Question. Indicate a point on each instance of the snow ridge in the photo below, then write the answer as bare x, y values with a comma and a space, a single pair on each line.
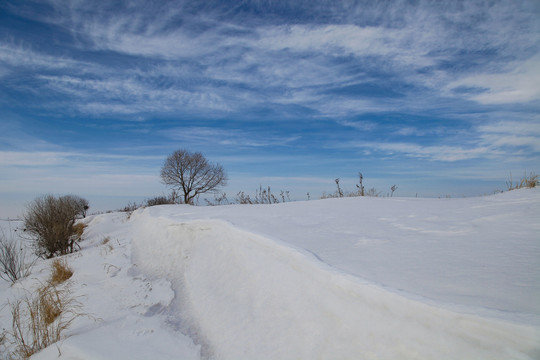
246, 297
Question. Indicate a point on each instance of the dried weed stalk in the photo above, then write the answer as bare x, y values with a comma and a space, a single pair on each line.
40, 318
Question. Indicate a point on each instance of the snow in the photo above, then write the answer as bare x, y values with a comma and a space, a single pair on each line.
368, 278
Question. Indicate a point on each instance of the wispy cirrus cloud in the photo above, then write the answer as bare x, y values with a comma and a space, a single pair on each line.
53, 158
518, 84
19, 56
521, 136
504, 141
131, 95
444, 153
230, 137
234, 64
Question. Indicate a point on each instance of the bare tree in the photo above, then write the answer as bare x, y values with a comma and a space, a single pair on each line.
191, 174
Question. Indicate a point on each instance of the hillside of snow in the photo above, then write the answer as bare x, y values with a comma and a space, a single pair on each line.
349, 278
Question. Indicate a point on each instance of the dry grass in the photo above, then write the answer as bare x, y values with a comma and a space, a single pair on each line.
78, 229
40, 318
3, 341
60, 271
107, 246
529, 181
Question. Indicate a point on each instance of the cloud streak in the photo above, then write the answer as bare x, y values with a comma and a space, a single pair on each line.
292, 63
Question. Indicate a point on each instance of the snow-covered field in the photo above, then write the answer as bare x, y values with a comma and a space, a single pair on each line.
350, 278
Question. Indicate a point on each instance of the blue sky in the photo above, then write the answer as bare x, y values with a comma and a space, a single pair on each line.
439, 98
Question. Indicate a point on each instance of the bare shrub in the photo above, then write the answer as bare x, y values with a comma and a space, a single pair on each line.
529, 181
162, 200
360, 190
50, 220
191, 174
372, 192
265, 196
219, 199
243, 199
130, 207
13, 264
262, 196
327, 196
79, 204
60, 271
39, 319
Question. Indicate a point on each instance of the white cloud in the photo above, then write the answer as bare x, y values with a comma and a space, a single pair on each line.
435, 153
47, 158
359, 125
77, 172
122, 94
54, 158
19, 56
518, 84
524, 128
229, 137
405, 46
504, 141
228, 66
512, 134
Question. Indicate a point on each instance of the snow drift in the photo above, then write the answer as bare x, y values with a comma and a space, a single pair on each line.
242, 296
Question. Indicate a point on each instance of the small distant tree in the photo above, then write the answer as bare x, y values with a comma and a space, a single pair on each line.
191, 174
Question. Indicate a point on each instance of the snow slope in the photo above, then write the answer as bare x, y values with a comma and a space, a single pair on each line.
356, 278
479, 255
